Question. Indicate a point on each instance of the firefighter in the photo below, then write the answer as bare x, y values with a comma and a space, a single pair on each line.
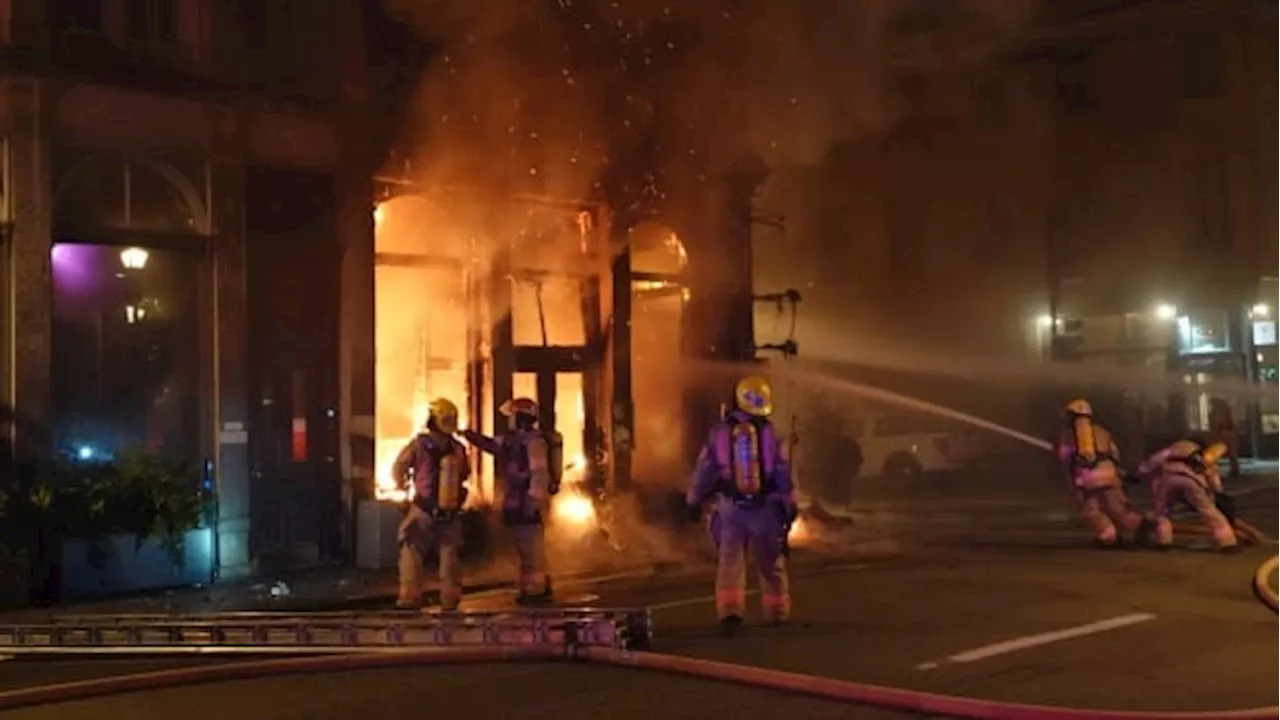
1091, 460
744, 467
436, 465
530, 463
1187, 471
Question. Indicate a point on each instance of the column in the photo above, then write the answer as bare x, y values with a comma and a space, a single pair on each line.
622, 429
235, 557
356, 329
31, 190
356, 347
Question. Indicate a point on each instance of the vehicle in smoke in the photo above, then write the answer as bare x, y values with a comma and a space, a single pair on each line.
903, 446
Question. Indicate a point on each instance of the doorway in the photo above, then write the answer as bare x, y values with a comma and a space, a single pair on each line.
562, 407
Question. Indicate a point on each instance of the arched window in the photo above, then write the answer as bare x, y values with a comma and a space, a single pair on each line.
127, 331
114, 191
656, 249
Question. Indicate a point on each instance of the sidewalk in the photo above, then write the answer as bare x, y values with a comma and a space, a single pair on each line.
316, 589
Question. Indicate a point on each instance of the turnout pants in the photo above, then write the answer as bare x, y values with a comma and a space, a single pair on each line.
760, 529
417, 534
1171, 489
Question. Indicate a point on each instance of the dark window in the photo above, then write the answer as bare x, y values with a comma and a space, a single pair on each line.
1201, 60
990, 99
166, 19
83, 14
1211, 225
152, 19
139, 19
253, 16
1073, 81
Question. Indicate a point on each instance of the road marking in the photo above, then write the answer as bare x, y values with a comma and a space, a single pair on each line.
594, 579
1029, 641
691, 601
712, 598
851, 566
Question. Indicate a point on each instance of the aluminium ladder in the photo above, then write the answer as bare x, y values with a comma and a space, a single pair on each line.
314, 633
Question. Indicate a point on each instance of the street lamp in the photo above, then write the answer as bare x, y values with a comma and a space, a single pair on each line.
1165, 311
134, 258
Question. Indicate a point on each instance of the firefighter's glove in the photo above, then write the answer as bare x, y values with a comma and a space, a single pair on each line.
1226, 505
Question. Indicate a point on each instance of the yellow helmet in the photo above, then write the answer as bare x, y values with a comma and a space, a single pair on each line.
754, 396
1212, 453
1079, 407
443, 415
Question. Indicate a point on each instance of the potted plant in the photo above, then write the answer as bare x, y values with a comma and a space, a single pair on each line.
135, 522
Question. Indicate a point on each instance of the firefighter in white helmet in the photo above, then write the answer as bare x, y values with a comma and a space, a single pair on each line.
530, 462
1187, 471
436, 465
1091, 460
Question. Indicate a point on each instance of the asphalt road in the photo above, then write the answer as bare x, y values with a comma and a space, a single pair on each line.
983, 596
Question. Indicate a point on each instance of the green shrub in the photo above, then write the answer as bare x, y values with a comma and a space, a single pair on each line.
136, 493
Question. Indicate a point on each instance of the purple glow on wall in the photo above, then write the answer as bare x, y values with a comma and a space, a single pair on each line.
77, 269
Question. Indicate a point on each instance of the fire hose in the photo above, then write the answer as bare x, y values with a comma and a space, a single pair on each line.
1262, 583
830, 689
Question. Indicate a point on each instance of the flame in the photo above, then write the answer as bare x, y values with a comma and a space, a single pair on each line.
574, 509
800, 531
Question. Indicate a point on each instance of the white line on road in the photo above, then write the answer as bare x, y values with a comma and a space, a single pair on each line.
712, 598
1029, 641
691, 601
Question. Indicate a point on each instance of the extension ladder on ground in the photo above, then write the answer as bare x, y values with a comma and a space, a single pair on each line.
307, 633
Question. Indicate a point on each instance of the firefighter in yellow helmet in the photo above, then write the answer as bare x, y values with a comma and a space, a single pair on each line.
1091, 460
745, 468
530, 462
1187, 471
435, 465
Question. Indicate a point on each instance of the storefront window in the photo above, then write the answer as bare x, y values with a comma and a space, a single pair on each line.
1203, 332
420, 353
126, 350
547, 311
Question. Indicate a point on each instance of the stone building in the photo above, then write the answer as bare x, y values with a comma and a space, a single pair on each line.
1098, 172
187, 249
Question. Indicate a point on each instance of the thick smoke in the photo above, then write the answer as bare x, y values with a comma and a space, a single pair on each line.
548, 94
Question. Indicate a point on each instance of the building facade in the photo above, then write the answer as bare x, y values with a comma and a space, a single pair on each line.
184, 211
1095, 184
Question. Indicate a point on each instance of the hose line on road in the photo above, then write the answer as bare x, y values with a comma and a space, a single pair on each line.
363, 659
1262, 583
383, 658
887, 697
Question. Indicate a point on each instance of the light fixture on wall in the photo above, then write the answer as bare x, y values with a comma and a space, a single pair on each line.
1165, 311
1261, 310
134, 258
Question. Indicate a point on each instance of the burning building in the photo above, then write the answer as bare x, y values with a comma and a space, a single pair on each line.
480, 299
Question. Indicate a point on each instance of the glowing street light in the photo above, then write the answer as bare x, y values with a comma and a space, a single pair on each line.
134, 258
1261, 310
1165, 311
